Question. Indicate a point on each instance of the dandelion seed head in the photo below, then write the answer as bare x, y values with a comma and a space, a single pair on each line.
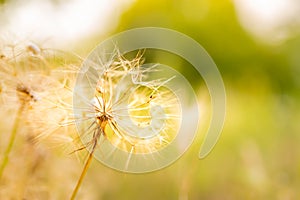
132, 105
38, 80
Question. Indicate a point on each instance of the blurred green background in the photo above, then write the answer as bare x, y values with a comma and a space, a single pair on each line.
258, 154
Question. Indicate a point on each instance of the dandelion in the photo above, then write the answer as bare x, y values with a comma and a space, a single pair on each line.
21, 94
129, 110
30, 88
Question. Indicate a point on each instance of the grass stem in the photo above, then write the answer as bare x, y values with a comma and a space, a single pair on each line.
11, 140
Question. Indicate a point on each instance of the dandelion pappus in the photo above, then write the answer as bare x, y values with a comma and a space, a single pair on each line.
126, 110
33, 49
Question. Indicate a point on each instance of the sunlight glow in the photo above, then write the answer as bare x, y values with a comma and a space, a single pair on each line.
61, 22
266, 18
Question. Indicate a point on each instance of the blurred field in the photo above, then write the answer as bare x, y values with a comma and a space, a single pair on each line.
257, 156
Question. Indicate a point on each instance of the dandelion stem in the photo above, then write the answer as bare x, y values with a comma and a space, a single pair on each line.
11, 140
86, 167
83, 173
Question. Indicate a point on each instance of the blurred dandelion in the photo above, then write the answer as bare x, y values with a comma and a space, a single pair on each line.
35, 94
